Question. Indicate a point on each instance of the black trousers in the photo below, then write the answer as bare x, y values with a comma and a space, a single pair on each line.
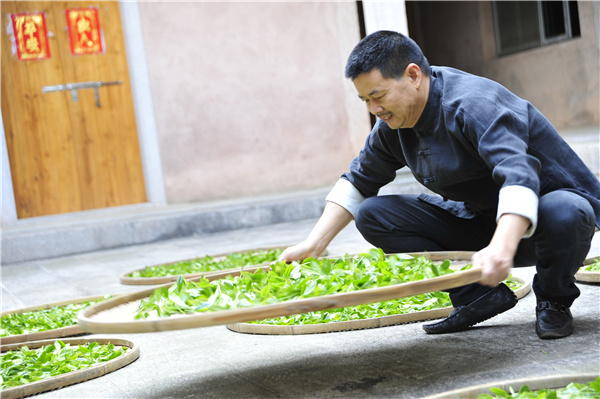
560, 244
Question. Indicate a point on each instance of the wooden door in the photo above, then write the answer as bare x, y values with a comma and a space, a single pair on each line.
67, 151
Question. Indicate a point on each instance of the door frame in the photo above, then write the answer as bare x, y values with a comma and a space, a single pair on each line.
381, 15
144, 117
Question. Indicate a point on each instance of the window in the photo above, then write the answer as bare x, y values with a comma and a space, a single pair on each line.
522, 25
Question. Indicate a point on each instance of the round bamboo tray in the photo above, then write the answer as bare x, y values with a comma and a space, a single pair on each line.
588, 276
125, 279
117, 315
48, 334
375, 322
72, 377
534, 384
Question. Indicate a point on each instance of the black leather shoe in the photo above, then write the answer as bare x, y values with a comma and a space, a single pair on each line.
553, 320
497, 300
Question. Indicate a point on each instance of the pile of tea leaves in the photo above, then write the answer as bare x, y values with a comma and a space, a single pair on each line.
26, 365
594, 267
209, 263
571, 391
42, 319
411, 304
290, 281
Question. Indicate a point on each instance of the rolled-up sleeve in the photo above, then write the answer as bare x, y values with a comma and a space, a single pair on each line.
521, 201
345, 195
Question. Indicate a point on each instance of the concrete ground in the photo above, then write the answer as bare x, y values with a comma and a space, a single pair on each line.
391, 362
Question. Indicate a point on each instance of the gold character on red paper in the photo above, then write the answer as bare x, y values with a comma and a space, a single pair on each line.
31, 37
32, 45
84, 31
83, 26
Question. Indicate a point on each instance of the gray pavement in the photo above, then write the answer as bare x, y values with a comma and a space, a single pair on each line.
391, 362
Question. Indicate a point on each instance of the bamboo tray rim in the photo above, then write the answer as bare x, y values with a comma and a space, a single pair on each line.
48, 334
588, 276
534, 383
88, 323
127, 280
346, 325
73, 377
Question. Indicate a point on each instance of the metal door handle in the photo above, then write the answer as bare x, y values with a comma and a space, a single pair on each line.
73, 87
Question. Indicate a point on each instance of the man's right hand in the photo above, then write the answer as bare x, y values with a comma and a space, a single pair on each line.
331, 222
299, 252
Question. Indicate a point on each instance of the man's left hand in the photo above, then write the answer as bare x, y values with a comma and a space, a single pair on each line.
495, 264
496, 259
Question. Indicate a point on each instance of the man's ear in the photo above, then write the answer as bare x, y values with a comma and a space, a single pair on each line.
414, 73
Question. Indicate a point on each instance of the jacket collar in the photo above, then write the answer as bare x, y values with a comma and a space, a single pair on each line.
430, 115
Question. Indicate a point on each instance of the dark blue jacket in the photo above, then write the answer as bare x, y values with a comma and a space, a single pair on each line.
473, 138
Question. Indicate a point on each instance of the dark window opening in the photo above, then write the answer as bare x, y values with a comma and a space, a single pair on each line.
522, 25
574, 15
553, 15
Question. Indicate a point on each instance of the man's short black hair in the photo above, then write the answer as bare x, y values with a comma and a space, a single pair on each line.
388, 51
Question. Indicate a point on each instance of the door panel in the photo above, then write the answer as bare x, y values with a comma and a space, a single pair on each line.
69, 154
34, 147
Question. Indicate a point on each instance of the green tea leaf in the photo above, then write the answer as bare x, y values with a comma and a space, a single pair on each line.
500, 392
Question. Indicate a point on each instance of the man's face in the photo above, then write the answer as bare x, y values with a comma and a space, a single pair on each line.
397, 102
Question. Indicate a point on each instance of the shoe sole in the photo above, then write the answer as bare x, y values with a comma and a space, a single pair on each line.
466, 327
553, 335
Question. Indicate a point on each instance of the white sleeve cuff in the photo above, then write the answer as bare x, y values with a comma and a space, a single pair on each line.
345, 195
519, 200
